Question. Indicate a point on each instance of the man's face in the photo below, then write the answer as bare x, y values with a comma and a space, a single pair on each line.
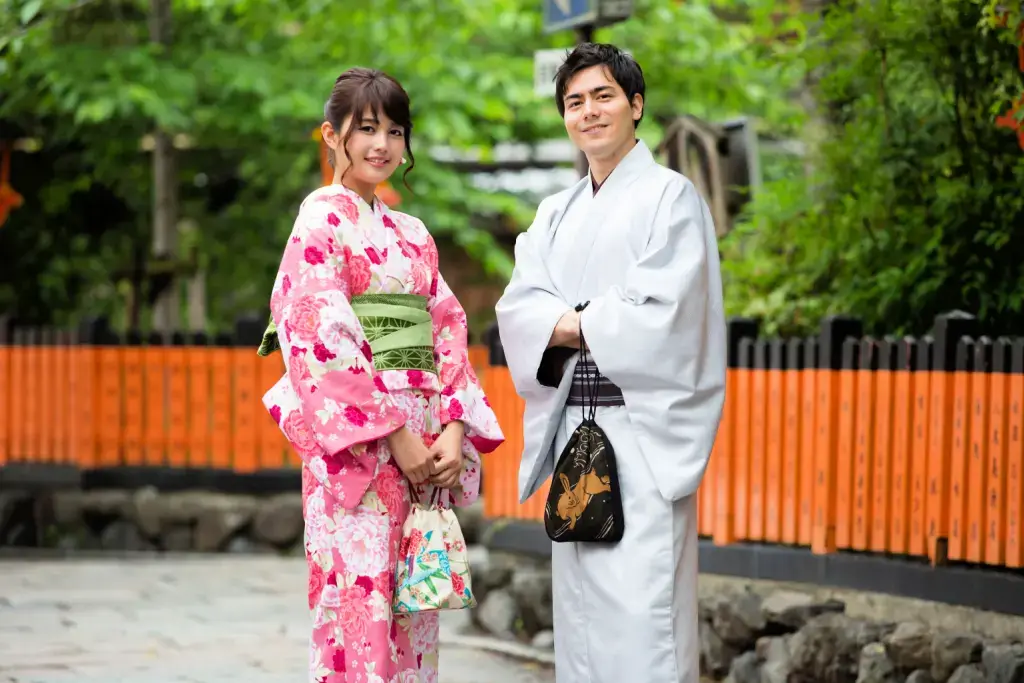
598, 115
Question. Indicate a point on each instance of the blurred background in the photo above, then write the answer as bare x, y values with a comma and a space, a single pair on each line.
867, 155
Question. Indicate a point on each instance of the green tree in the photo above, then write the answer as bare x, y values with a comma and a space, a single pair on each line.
913, 198
241, 89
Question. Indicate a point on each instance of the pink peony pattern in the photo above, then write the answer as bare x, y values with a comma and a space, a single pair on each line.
336, 408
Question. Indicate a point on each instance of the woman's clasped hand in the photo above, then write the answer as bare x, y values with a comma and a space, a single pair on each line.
440, 463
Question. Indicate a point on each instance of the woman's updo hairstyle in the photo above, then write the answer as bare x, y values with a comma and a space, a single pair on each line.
358, 89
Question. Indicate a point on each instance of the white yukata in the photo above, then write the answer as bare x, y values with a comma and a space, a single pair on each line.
643, 252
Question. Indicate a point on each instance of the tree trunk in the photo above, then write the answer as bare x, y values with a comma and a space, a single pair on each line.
165, 188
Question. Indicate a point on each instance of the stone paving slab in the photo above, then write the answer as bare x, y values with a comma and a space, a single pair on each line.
207, 619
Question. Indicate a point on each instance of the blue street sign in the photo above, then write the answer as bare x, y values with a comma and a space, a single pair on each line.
568, 14
565, 14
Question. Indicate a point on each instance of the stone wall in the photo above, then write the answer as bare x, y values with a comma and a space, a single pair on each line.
147, 520
750, 632
771, 634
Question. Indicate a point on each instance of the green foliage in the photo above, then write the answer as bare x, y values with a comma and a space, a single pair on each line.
242, 88
912, 195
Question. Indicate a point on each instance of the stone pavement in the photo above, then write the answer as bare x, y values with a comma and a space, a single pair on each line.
202, 619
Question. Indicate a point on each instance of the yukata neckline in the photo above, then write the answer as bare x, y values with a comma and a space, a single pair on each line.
378, 208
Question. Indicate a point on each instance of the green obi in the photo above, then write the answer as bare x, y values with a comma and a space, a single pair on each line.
397, 326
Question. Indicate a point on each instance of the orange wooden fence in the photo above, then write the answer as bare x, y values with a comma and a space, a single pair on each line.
834, 442
111, 404
841, 442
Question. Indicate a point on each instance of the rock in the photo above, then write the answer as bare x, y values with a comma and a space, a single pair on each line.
790, 610
715, 654
16, 527
240, 545
745, 669
774, 655
220, 519
146, 510
279, 520
471, 520
489, 570
738, 618
66, 508
1004, 663
123, 535
497, 614
829, 648
544, 640
531, 590
177, 539
968, 673
952, 650
875, 666
910, 646
920, 676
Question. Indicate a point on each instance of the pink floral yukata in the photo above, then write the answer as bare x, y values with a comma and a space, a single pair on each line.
336, 408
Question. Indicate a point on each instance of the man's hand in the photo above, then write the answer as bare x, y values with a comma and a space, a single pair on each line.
567, 331
446, 463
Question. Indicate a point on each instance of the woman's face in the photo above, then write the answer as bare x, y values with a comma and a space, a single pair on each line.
375, 147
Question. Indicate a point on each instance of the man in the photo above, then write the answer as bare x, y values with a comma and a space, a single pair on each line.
635, 242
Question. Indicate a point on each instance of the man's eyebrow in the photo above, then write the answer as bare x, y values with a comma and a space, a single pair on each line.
592, 92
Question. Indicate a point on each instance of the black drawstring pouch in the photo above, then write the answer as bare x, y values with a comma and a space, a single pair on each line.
584, 503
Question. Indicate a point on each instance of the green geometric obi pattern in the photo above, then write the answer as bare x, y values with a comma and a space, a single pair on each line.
399, 329
397, 326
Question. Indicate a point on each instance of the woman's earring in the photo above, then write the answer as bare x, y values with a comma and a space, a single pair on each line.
404, 160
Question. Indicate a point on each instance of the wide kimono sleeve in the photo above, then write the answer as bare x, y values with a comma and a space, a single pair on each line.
343, 405
527, 313
661, 338
462, 397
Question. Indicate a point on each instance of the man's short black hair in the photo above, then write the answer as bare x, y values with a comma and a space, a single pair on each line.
623, 68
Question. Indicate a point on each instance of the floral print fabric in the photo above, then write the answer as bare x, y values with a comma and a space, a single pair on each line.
335, 408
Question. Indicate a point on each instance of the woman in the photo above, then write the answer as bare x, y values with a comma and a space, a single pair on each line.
378, 396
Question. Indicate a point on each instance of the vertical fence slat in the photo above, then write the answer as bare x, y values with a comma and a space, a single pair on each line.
110, 410
155, 367
906, 363
919, 449
741, 493
243, 428
177, 402
808, 440
881, 487
136, 398
32, 396
62, 398
85, 396
46, 359
221, 400
19, 408
6, 393
774, 440
792, 456
958, 477
758, 444
1015, 459
846, 428
977, 484
200, 395
995, 500
864, 444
